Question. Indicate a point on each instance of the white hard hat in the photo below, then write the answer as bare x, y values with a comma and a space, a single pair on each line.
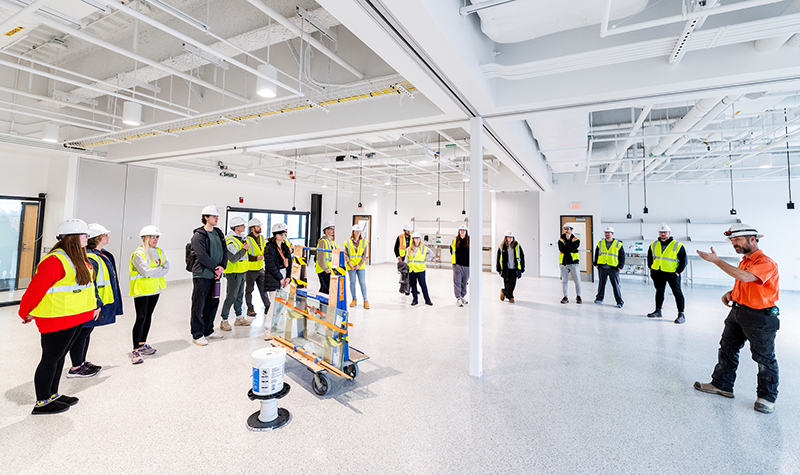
608, 229
210, 210
356, 227
664, 229
416, 235
254, 222
236, 221
149, 230
97, 230
509, 234
72, 226
568, 225
407, 227
278, 228
326, 225
464, 227
742, 229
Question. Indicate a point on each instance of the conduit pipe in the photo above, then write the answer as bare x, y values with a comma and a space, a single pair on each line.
772, 145
53, 119
313, 42
634, 130
13, 20
58, 103
794, 41
116, 49
702, 123
196, 44
58, 114
768, 45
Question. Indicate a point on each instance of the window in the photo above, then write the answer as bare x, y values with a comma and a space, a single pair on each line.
297, 222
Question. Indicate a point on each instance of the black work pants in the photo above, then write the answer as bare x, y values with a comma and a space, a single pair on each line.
509, 282
612, 274
415, 277
204, 307
77, 353
255, 279
144, 306
660, 281
324, 282
758, 326
55, 346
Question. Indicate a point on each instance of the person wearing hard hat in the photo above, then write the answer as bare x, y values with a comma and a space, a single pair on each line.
208, 243
254, 277
417, 254
666, 259
355, 255
609, 259
323, 266
510, 265
237, 247
753, 316
61, 297
459, 255
107, 283
569, 262
400, 247
277, 266
148, 267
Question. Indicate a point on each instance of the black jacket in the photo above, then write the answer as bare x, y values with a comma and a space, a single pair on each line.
681, 256
273, 263
567, 247
202, 248
620, 254
502, 256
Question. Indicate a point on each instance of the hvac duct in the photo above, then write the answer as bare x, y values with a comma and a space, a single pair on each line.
768, 45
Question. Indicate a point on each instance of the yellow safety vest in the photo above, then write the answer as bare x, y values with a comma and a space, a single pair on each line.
575, 255
609, 255
66, 297
356, 255
453, 251
141, 285
326, 244
103, 280
242, 265
416, 262
256, 249
668, 260
517, 263
401, 249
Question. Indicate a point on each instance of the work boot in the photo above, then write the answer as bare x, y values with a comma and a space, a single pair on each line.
511, 300
578, 299
251, 312
353, 303
711, 389
502, 295
565, 300
225, 326
655, 314
764, 406
681, 318
366, 304
242, 322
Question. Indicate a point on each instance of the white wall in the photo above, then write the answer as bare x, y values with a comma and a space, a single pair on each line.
519, 213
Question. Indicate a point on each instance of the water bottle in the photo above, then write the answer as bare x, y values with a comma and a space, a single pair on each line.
217, 289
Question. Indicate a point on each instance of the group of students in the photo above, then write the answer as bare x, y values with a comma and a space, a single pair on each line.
356, 255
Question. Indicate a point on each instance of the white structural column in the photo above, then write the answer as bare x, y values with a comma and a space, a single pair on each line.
476, 247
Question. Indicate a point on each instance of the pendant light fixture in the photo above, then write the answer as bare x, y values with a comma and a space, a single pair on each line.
629, 196
131, 113
463, 197
294, 190
395, 190
733, 208
265, 88
336, 209
644, 181
439, 173
360, 172
50, 133
790, 204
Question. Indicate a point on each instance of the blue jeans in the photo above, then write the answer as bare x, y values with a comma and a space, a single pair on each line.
362, 282
415, 277
758, 326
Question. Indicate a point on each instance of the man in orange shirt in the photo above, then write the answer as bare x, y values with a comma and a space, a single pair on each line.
753, 317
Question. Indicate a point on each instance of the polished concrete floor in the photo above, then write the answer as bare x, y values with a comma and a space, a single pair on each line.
566, 389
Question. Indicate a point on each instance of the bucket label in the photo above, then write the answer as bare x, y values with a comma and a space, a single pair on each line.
267, 380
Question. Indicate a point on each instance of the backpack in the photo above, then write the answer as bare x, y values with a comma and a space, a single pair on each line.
191, 257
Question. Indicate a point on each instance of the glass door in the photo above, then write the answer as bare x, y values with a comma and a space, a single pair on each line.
20, 244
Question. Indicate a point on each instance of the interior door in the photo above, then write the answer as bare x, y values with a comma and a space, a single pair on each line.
365, 222
28, 232
582, 228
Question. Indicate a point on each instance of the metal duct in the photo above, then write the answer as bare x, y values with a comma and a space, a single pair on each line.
768, 45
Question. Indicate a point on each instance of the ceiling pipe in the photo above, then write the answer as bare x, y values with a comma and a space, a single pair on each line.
196, 44
769, 45
702, 123
53, 119
752, 154
313, 42
58, 114
634, 130
13, 20
116, 49
50, 100
794, 41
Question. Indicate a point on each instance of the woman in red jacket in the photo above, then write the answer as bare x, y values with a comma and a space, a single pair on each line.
61, 298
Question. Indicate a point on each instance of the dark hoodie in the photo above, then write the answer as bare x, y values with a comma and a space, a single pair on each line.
208, 257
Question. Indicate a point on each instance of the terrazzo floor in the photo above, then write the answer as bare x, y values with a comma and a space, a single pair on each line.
566, 389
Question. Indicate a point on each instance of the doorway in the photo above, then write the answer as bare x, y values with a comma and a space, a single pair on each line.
582, 229
21, 221
365, 222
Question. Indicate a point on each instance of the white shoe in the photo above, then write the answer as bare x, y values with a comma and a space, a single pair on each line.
200, 341
464, 301
215, 336
458, 303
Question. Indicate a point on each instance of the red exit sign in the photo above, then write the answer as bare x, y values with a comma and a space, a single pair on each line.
575, 205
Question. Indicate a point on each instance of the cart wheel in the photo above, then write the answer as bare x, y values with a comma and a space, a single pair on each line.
320, 384
350, 369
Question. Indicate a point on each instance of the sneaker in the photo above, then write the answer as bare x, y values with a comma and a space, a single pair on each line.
655, 314
598, 302
502, 295
464, 301
711, 389
251, 312
619, 305
136, 357
458, 303
54, 407
241, 322
93, 366
214, 336
353, 303
366, 304
82, 371
578, 299
429, 303
565, 300
146, 350
764, 406
225, 326
200, 341
681, 318
414, 303
68, 400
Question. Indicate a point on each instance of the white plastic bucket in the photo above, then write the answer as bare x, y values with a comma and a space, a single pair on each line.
268, 370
